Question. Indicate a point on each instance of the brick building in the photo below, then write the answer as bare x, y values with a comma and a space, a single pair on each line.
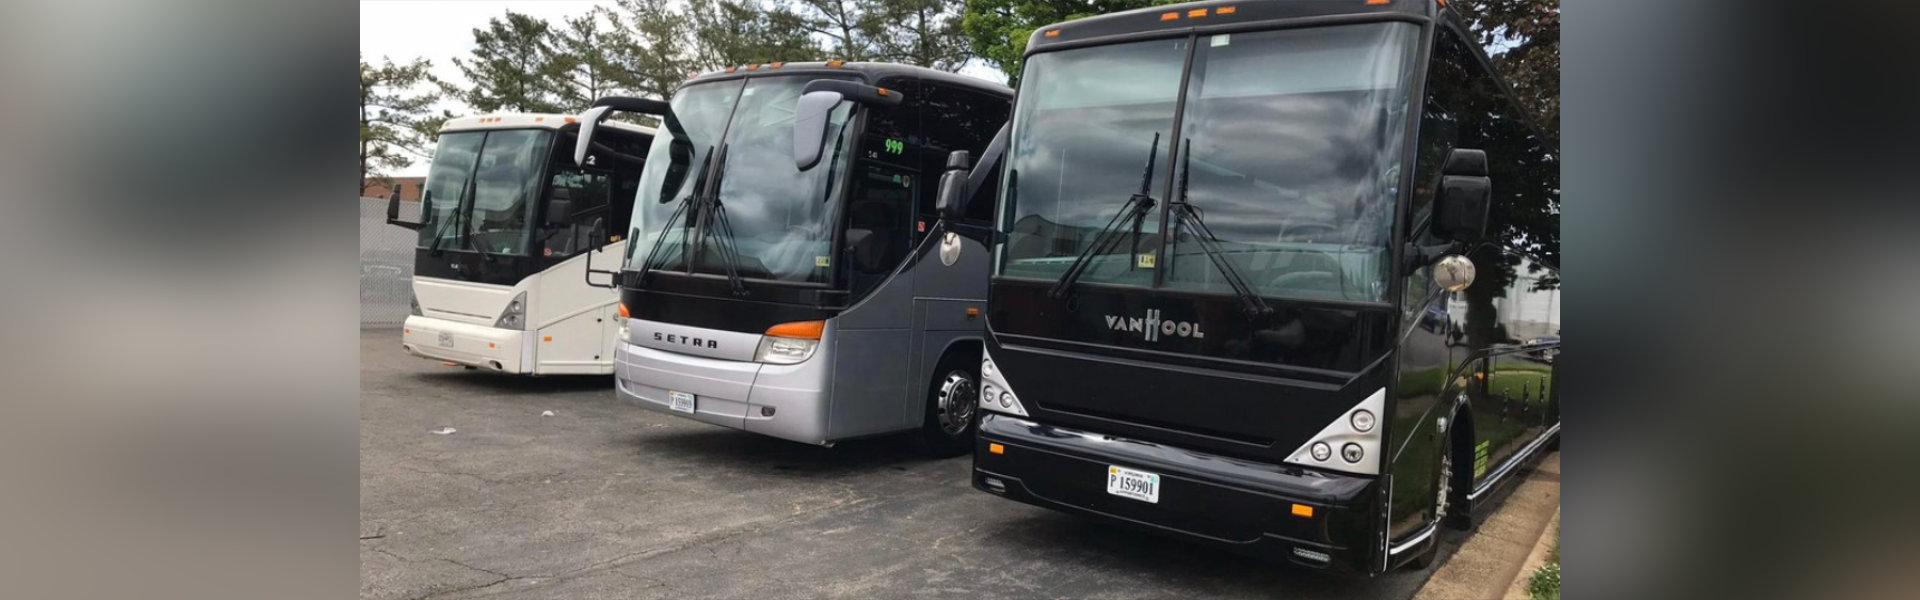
409, 188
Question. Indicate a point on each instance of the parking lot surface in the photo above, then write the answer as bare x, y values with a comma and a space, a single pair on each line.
605, 500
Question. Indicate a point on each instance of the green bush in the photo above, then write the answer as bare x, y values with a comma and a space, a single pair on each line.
1545, 584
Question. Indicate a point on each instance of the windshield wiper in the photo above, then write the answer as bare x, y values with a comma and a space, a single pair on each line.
646, 265
1134, 210
1185, 214
718, 225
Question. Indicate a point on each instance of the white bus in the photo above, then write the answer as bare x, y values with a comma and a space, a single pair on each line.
504, 272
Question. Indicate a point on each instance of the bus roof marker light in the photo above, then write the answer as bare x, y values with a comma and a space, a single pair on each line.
835, 64
1302, 510
1052, 33
1196, 13
1226, 10
1373, 2
1169, 16
996, 449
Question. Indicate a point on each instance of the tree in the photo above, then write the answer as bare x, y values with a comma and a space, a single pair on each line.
511, 68
583, 67
395, 120
738, 32
646, 47
853, 25
999, 29
923, 32
1523, 39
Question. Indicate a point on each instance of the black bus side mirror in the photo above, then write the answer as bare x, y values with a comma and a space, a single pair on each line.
952, 201
560, 207
1466, 195
393, 211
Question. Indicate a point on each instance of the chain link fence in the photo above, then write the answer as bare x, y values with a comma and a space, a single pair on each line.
386, 266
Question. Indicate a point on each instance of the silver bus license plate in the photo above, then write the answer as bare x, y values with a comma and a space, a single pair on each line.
680, 401
1138, 485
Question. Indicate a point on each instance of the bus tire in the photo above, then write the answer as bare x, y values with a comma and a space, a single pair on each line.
953, 401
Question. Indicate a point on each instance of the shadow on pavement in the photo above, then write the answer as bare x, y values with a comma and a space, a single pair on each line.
774, 457
481, 380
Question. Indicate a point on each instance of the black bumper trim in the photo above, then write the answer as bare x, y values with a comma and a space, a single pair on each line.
1239, 506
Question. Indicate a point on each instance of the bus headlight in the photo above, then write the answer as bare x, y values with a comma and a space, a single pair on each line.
515, 316
790, 343
995, 394
1363, 420
1354, 436
785, 351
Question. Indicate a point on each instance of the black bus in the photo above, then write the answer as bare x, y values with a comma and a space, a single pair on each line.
1277, 276
790, 273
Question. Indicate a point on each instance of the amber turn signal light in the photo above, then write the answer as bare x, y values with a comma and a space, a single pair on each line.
806, 330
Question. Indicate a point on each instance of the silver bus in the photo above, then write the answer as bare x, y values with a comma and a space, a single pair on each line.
789, 272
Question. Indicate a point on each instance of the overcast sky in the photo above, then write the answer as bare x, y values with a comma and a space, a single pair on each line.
439, 30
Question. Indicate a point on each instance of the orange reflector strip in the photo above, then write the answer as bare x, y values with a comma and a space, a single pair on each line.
571, 120
973, 311
996, 449
1226, 10
407, 330
809, 330
1196, 13
489, 345
1378, 1
883, 92
1169, 16
623, 311
448, 364
1302, 510
546, 338
836, 63
1054, 33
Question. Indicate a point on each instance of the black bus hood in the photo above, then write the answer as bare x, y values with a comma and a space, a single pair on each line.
1187, 370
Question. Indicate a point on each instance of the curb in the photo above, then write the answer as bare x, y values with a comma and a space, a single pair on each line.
1517, 589
1499, 550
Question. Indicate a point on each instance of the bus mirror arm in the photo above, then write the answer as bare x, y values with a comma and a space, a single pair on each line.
599, 242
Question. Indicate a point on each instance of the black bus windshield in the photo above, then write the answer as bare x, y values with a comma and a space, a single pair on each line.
1295, 138
484, 208
780, 216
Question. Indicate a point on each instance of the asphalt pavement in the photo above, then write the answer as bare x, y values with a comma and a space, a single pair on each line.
605, 500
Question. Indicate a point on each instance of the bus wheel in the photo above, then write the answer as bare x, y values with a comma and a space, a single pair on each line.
952, 398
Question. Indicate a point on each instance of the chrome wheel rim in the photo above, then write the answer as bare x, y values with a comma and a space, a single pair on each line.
955, 402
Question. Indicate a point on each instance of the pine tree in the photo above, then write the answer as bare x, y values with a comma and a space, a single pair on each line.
396, 122
510, 68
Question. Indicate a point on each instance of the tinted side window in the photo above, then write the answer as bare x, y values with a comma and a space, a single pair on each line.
933, 121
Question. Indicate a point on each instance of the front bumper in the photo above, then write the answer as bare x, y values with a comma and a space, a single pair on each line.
784, 401
467, 344
1242, 506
